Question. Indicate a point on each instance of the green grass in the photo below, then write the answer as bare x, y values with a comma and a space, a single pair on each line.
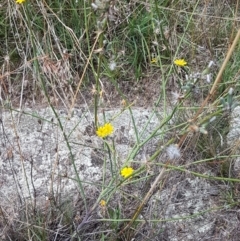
61, 53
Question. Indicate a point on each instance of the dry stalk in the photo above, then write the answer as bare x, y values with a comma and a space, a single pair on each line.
84, 71
145, 199
215, 84
210, 96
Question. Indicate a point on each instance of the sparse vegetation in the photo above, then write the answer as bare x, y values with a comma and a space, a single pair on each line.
70, 71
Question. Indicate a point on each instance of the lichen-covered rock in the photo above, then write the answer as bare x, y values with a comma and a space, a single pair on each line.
234, 137
39, 157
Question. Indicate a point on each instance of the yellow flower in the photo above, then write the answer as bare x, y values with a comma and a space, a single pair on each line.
154, 61
20, 1
127, 171
105, 130
180, 62
102, 203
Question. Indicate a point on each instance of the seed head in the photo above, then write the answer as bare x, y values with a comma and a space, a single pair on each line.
173, 152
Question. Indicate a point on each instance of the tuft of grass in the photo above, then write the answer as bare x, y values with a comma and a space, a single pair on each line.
61, 54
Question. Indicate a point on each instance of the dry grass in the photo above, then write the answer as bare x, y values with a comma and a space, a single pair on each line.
67, 67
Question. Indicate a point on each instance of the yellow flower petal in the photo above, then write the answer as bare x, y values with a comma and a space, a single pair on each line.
20, 1
103, 203
127, 171
180, 62
105, 130
154, 61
